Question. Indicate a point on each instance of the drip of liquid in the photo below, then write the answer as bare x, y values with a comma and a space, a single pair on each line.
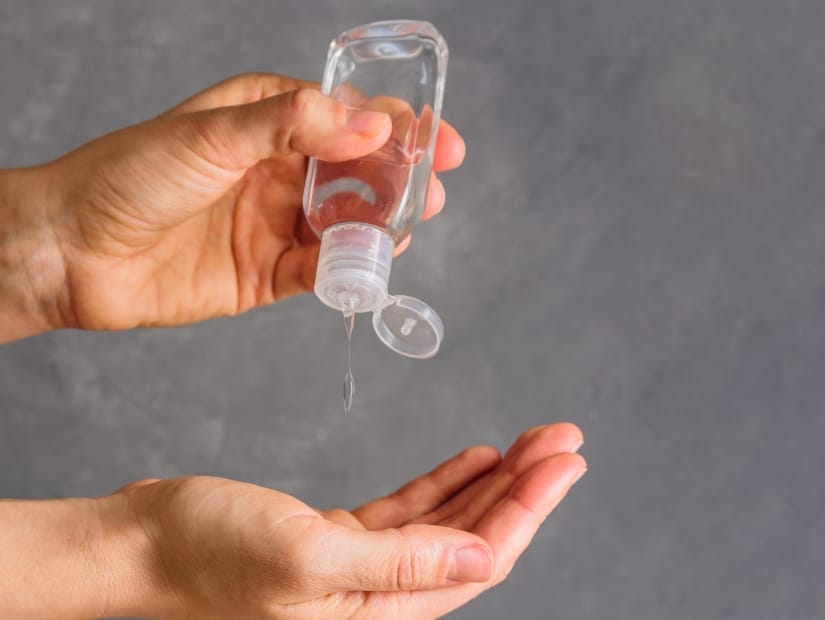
349, 384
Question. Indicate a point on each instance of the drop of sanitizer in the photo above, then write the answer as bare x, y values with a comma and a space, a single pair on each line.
349, 384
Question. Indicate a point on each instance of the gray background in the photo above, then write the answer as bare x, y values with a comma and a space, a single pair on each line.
636, 243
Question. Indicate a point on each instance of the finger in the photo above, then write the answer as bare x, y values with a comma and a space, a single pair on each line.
569, 438
542, 442
295, 272
436, 196
241, 89
402, 246
136, 485
428, 491
510, 525
449, 148
342, 517
532, 445
509, 528
266, 216
545, 442
465, 509
299, 121
273, 191
251, 87
414, 557
304, 233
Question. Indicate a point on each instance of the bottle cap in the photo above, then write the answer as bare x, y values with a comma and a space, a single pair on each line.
353, 267
408, 326
353, 273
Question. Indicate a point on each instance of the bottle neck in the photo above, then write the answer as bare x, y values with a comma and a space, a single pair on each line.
354, 267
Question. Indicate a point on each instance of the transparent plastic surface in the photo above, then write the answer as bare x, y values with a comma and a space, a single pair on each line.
408, 326
395, 67
362, 208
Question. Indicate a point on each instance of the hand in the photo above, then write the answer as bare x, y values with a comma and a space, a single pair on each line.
223, 549
197, 213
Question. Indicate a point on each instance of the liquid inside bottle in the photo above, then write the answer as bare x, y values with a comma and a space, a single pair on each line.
396, 68
378, 189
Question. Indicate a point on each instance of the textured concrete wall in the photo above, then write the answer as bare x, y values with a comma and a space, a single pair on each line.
636, 243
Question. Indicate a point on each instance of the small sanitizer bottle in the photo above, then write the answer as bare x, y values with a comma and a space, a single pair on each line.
362, 208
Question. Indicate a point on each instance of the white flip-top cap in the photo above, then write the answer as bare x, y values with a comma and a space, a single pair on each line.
408, 326
353, 267
353, 274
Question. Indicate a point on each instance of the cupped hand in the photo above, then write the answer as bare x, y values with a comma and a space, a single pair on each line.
228, 549
198, 213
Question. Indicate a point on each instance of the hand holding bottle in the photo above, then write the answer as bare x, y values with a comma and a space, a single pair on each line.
191, 215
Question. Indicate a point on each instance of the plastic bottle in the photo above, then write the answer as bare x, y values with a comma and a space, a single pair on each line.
362, 208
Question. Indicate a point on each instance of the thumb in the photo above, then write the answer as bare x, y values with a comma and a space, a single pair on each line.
414, 557
300, 121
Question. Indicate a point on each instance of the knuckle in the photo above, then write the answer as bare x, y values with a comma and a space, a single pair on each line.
252, 85
299, 566
259, 79
298, 108
344, 517
296, 566
336, 513
411, 570
302, 101
207, 135
296, 577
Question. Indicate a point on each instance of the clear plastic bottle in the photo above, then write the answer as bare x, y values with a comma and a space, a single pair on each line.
362, 208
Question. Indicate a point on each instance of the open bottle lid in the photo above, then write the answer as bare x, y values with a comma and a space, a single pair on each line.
408, 326
353, 273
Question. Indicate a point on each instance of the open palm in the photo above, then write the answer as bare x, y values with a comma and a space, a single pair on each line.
227, 548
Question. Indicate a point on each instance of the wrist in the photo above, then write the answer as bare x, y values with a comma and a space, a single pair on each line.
58, 559
133, 579
32, 269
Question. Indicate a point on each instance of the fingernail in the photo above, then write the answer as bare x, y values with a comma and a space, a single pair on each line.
578, 476
366, 122
471, 564
577, 445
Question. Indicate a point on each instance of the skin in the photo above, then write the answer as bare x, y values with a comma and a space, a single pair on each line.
197, 214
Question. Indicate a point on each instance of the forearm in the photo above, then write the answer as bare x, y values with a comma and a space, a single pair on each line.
32, 273
74, 558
